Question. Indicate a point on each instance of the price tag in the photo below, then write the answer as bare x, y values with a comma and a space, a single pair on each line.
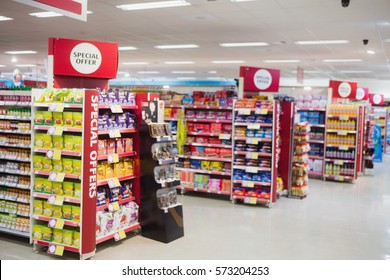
253, 141
254, 126
251, 170
224, 136
55, 130
248, 184
116, 108
252, 156
344, 148
58, 224
113, 206
244, 111
113, 182
56, 107
250, 200
54, 154
56, 200
56, 177
342, 132
339, 178
57, 250
344, 118
119, 235
113, 158
114, 133
261, 111
338, 162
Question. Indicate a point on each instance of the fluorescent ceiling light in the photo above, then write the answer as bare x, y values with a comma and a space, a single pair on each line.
242, 0
343, 60
20, 52
185, 78
89, 12
179, 62
127, 75
281, 61
148, 72
135, 63
153, 5
322, 42
227, 61
215, 78
212, 72
127, 48
1, 65
26, 65
183, 72
166, 47
3, 18
370, 52
244, 44
46, 14
307, 88
355, 71
14, 59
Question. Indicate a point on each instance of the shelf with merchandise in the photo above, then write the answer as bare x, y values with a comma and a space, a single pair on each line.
120, 155
14, 232
184, 188
111, 180
113, 234
210, 158
204, 171
49, 195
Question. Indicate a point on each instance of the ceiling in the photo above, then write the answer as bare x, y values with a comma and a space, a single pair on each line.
207, 24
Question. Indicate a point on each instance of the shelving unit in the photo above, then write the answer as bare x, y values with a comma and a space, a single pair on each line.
15, 162
256, 151
381, 115
317, 137
344, 142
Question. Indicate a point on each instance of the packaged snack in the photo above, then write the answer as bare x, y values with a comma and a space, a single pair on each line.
57, 188
121, 120
46, 164
77, 190
110, 146
67, 237
76, 213
47, 141
125, 190
76, 239
68, 188
47, 209
58, 142
67, 212
38, 184
128, 143
101, 196
38, 207
39, 119
57, 165
68, 142
128, 166
38, 143
77, 119
67, 165
77, 166
58, 118
57, 236
77, 143
102, 147
47, 186
68, 118
119, 146
57, 211
109, 171
114, 194
101, 172
37, 232
47, 117
47, 233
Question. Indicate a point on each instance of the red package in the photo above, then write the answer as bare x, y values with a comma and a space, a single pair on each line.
111, 146
197, 151
216, 128
211, 152
200, 140
214, 140
225, 153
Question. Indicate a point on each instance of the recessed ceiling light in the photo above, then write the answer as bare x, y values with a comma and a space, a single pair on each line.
45, 14
343, 60
185, 78
182, 72
166, 47
20, 52
127, 48
26, 65
14, 59
1, 76
148, 72
3, 18
153, 5
179, 62
322, 42
244, 44
135, 63
89, 12
355, 71
370, 52
227, 61
215, 78
281, 61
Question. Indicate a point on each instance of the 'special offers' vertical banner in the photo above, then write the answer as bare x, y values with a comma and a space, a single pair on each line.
89, 175
84, 58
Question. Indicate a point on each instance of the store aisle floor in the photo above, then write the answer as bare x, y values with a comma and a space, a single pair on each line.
336, 221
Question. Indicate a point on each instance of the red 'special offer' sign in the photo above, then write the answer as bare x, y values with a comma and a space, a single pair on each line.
376, 99
361, 94
342, 89
84, 58
260, 79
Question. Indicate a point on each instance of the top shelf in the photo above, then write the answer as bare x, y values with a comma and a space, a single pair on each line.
66, 105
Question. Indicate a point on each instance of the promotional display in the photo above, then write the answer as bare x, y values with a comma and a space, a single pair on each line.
258, 80
342, 90
376, 99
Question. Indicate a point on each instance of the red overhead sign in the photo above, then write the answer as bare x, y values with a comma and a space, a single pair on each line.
342, 89
84, 58
260, 79
361, 94
377, 99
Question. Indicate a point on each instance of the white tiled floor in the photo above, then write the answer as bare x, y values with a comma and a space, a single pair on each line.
336, 221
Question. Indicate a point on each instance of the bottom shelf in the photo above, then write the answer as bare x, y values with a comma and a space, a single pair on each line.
112, 235
15, 232
315, 174
339, 178
202, 190
46, 243
251, 200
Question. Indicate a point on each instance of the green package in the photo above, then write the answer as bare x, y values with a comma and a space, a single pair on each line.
77, 190
68, 188
68, 142
67, 165
77, 166
57, 165
58, 142
47, 164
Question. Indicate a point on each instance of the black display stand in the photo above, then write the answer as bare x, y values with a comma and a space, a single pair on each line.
164, 225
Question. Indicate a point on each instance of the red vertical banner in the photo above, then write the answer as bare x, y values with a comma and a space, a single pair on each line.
89, 175
300, 75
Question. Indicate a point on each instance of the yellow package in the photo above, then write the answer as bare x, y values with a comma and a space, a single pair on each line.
47, 233
76, 213
46, 97
47, 117
37, 232
38, 207
60, 94
167, 112
57, 211
39, 119
47, 141
67, 212
109, 171
47, 164
37, 162
77, 190
76, 239
47, 186
78, 95
67, 237
38, 184
38, 143
128, 166
58, 142
68, 98
57, 188
77, 166
77, 119
119, 169
58, 118
68, 142
57, 165
101, 172
77, 143
47, 209
57, 236
68, 188
67, 165
68, 118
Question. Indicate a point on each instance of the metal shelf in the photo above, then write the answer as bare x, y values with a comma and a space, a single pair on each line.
202, 190
121, 130
203, 171
120, 155
15, 159
66, 105
63, 152
111, 235
47, 219
66, 129
208, 107
120, 202
259, 184
47, 196
15, 146
244, 167
206, 158
124, 178
22, 132
210, 145
207, 120
15, 232
258, 139
15, 172
247, 124
14, 118
47, 244
47, 173
244, 153
123, 106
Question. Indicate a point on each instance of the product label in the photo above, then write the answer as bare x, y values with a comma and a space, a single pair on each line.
251, 169
344, 148
119, 235
113, 182
54, 249
254, 126
55, 130
114, 133
248, 184
342, 132
253, 141
262, 79
53, 154
344, 118
244, 111
250, 200
113, 158
85, 58
261, 111
252, 156
56, 177
224, 136
56, 107
113, 206
116, 109
56, 200
56, 223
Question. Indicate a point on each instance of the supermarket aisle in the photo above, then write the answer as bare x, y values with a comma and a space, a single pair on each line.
336, 221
